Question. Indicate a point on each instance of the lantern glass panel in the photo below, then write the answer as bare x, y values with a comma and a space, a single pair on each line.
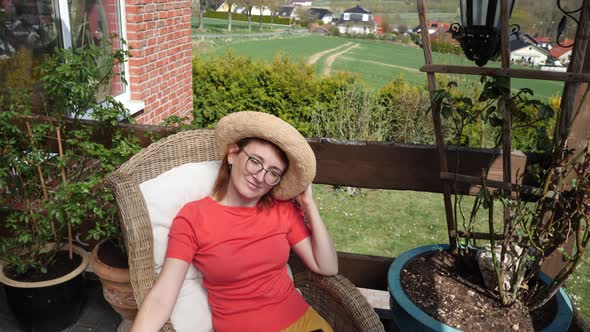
475, 12
480, 11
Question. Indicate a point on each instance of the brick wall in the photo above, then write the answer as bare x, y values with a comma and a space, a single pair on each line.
159, 35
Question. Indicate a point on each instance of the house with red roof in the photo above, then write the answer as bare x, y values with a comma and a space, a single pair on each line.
562, 54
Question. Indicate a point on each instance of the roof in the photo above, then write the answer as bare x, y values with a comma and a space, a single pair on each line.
523, 39
286, 11
565, 42
558, 51
355, 19
378, 20
358, 9
215, 4
319, 13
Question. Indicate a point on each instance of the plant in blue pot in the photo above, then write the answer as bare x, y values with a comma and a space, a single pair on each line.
495, 271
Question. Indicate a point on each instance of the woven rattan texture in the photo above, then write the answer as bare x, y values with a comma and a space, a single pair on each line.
335, 298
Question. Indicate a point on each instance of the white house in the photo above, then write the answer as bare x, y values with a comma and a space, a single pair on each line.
239, 9
265, 11
302, 3
287, 12
562, 54
322, 14
356, 20
526, 50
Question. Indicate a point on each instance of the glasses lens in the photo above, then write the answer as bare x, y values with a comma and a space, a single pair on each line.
253, 166
271, 178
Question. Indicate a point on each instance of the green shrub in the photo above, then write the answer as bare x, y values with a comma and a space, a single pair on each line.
354, 115
444, 46
333, 31
231, 84
407, 104
340, 105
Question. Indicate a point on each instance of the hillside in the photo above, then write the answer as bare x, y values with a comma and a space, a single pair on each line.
533, 16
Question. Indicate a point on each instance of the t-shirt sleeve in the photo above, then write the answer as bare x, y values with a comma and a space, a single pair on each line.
182, 239
297, 228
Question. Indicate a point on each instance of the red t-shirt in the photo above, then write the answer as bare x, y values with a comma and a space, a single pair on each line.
242, 253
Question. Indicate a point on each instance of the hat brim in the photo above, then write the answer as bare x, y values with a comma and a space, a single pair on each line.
302, 163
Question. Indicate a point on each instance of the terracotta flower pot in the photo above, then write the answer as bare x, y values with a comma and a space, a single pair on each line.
116, 288
49, 305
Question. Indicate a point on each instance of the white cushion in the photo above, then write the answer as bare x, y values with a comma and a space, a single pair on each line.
164, 196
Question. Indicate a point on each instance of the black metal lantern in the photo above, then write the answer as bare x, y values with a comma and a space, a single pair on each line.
479, 31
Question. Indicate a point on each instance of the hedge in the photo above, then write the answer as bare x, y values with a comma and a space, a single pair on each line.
244, 17
339, 106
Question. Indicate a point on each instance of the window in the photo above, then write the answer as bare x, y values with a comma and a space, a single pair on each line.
365, 17
31, 29
28, 32
346, 16
92, 21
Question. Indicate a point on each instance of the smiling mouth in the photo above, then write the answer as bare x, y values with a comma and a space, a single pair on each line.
254, 185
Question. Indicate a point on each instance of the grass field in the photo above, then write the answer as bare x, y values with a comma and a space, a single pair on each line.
387, 223
376, 62
214, 25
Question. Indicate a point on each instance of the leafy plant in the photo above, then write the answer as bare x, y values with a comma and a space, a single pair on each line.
50, 194
537, 221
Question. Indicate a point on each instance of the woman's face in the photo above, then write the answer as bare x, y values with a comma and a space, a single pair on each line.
256, 156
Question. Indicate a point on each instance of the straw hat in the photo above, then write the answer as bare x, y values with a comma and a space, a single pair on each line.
301, 171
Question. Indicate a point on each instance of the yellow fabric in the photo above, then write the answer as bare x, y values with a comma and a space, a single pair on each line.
310, 321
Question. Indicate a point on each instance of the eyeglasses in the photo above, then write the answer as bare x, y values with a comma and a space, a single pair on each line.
254, 166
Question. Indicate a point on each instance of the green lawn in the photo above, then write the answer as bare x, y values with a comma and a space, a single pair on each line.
376, 62
387, 223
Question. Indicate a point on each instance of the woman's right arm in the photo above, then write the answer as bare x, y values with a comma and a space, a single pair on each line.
158, 304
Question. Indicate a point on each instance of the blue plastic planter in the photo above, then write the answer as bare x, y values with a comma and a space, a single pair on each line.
408, 317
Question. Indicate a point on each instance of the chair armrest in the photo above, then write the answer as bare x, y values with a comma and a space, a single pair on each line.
338, 301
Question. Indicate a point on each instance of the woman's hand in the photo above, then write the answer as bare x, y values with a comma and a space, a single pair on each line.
305, 199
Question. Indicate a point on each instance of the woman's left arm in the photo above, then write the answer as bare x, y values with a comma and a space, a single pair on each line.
316, 251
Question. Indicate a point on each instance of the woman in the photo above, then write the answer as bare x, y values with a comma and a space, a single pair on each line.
239, 237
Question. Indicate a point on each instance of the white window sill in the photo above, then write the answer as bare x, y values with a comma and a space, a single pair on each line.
134, 106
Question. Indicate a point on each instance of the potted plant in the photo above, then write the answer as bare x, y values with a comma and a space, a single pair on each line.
51, 182
500, 258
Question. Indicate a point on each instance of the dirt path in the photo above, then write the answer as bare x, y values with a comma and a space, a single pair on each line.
330, 60
384, 64
316, 56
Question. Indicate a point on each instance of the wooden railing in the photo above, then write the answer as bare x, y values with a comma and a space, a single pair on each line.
379, 165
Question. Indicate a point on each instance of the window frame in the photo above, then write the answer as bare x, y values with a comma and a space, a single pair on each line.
63, 15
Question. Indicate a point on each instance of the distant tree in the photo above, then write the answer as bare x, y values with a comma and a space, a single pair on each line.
274, 6
248, 4
230, 6
402, 28
202, 8
307, 18
261, 5
386, 25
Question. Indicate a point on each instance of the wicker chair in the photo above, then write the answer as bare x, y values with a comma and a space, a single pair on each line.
335, 298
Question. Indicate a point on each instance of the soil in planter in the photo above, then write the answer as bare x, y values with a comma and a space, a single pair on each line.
60, 267
456, 296
110, 254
